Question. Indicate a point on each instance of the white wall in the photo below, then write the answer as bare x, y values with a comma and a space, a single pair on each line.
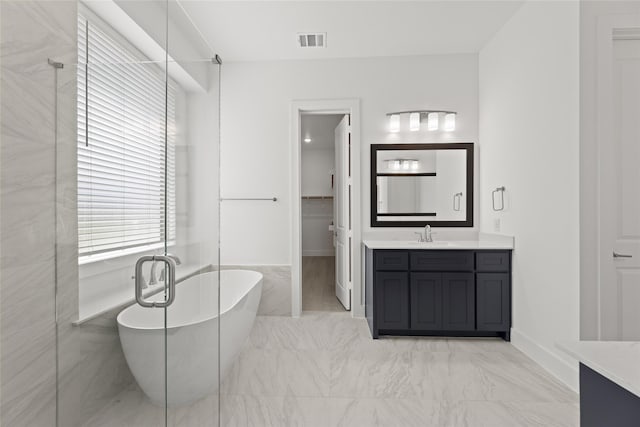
316, 168
590, 12
256, 99
529, 143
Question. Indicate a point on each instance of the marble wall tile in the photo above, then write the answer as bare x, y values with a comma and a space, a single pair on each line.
276, 289
92, 369
30, 33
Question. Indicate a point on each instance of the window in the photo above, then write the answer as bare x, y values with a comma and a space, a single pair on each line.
123, 189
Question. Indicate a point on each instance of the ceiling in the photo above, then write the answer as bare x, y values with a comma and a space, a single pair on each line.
266, 30
320, 128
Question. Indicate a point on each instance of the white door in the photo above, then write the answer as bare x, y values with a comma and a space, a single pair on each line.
342, 211
620, 202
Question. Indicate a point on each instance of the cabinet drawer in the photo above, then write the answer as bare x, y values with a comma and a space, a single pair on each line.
392, 261
492, 261
442, 260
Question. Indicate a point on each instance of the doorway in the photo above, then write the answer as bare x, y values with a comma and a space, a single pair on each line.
324, 280
322, 204
618, 180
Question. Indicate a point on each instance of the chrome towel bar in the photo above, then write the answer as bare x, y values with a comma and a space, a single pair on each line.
493, 198
271, 199
456, 201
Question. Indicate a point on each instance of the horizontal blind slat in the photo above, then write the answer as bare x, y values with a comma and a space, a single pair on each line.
127, 166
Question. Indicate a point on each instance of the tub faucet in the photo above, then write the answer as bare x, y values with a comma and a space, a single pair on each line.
153, 280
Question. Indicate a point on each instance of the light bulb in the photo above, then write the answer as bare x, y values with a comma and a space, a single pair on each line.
414, 165
394, 123
405, 164
450, 122
396, 164
414, 122
307, 140
432, 121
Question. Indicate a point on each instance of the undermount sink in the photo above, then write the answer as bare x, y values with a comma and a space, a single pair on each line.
430, 244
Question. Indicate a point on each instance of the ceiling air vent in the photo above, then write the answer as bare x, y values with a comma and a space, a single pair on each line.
312, 39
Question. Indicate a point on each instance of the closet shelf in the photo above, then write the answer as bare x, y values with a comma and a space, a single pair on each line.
317, 197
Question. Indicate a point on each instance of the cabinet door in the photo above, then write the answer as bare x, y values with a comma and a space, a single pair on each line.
458, 302
493, 302
392, 300
426, 301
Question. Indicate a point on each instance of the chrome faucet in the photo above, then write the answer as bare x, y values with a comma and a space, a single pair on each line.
426, 237
153, 280
427, 234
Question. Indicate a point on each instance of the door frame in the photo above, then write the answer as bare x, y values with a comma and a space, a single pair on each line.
326, 106
606, 35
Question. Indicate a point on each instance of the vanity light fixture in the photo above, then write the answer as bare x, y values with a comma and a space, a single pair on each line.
450, 122
414, 122
394, 123
433, 120
402, 164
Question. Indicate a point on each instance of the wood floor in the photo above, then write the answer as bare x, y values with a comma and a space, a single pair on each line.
318, 284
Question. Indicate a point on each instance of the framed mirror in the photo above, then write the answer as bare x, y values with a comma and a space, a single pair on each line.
413, 185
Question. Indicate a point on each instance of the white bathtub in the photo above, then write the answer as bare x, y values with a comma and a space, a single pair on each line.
191, 335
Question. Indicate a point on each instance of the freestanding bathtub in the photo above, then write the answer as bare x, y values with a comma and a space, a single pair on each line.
191, 335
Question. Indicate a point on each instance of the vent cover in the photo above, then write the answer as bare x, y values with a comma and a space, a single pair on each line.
306, 40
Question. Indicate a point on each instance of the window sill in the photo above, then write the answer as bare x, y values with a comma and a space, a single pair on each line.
126, 297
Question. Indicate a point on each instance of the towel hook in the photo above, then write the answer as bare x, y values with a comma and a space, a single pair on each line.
493, 198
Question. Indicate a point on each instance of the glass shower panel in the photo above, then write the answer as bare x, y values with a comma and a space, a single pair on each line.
192, 321
116, 204
137, 212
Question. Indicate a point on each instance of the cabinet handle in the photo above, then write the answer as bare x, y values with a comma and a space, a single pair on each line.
617, 255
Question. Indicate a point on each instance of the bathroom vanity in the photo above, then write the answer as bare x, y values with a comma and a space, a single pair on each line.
438, 288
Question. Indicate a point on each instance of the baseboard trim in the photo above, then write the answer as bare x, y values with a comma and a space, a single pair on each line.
319, 252
550, 361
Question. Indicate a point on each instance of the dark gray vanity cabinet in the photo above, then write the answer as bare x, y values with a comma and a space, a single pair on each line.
493, 301
438, 292
392, 299
426, 301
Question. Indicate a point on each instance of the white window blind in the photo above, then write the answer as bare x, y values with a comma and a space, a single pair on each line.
126, 172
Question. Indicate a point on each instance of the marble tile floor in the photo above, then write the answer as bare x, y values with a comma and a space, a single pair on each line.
323, 369
318, 284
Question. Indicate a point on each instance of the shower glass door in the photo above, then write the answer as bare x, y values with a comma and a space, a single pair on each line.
137, 222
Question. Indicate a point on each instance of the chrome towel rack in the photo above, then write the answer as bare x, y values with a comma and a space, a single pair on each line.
269, 199
456, 201
493, 198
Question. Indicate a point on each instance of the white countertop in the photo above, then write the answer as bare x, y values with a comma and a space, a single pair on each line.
618, 361
439, 245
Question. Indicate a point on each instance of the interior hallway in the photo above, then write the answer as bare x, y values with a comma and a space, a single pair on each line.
318, 284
